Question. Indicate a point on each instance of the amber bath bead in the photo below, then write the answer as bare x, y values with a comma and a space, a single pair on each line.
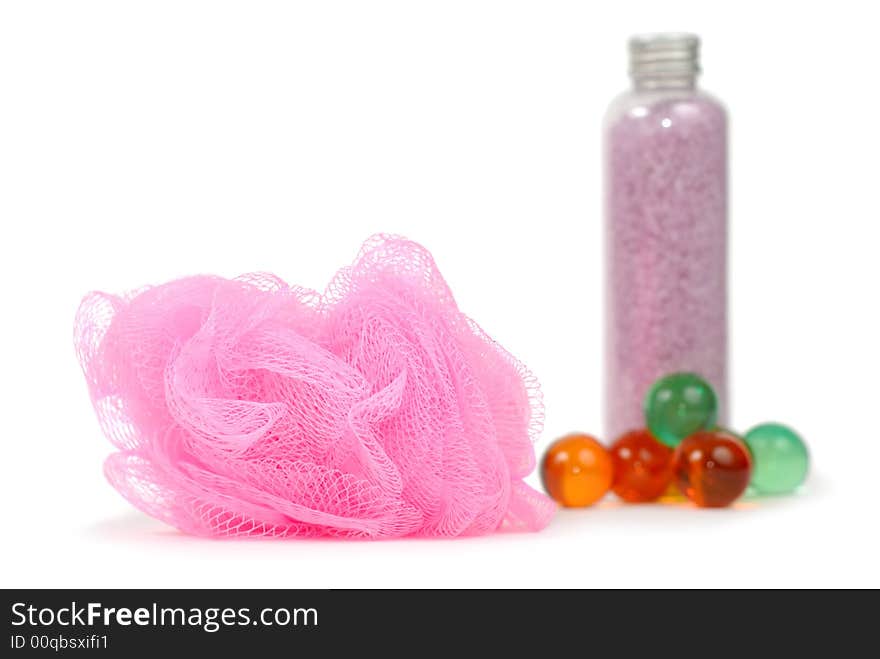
712, 468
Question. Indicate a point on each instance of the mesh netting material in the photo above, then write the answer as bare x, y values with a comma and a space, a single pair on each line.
249, 407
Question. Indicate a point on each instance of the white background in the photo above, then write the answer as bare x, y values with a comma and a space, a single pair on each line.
141, 141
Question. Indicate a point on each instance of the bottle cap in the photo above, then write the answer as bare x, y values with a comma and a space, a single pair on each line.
664, 54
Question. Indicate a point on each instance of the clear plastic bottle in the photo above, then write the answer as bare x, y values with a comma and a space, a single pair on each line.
666, 230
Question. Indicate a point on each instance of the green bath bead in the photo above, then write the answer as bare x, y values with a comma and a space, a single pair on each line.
779, 458
679, 405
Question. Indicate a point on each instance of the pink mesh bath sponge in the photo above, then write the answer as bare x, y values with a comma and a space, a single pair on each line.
249, 407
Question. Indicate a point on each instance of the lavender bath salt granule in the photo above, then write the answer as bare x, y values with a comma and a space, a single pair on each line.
666, 231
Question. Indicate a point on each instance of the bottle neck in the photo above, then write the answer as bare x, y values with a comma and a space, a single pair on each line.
664, 83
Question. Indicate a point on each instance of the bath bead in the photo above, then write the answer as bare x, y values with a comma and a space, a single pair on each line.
712, 468
780, 458
576, 470
642, 466
678, 405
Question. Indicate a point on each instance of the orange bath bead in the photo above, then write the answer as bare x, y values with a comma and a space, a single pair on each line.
576, 470
642, 466
712, 468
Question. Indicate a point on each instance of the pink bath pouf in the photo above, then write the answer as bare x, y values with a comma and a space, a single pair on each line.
249, 407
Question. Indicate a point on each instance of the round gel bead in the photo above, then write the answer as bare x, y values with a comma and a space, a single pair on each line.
780, 458
576, 470
642, 467
679, 405
712, 468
